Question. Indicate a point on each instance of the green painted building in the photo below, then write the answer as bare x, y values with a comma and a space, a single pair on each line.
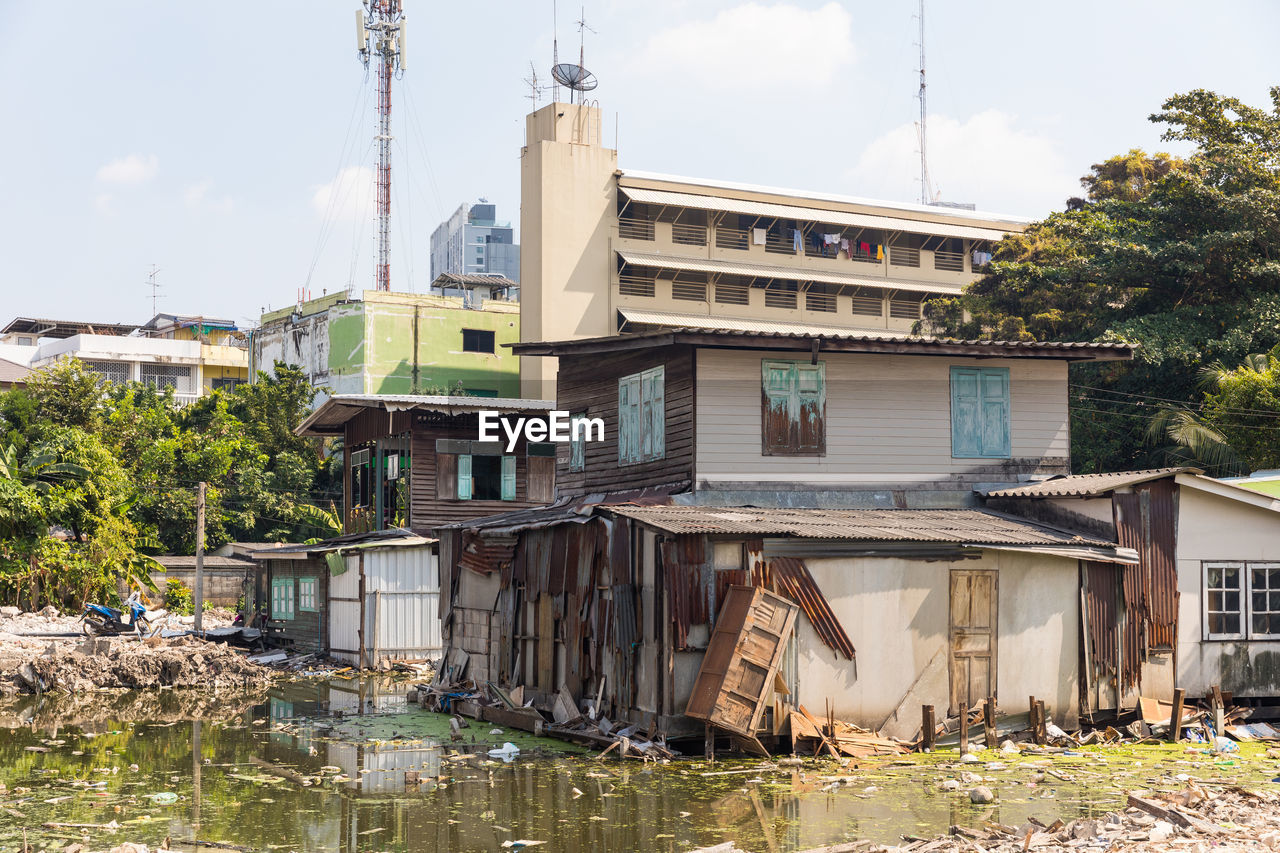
375, 342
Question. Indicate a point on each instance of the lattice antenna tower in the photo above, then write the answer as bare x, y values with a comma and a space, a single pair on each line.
532, 82
576, 77
380, 38
926, 187
155, 288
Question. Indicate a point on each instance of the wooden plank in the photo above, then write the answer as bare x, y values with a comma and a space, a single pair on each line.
1175, 715
524, 719
546, 641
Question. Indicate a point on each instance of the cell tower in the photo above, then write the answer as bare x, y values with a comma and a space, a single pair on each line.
380, 37
926, 190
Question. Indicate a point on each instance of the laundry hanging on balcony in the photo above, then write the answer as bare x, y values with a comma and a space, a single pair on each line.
797, 241
758, 236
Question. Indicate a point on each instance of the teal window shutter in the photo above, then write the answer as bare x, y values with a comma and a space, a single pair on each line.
629, 419
464, 476
980, 413
578, 444
508, 478
794, 405
811, 407
653, 413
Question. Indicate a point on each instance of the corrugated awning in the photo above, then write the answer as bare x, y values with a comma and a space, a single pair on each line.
811, 214
681, 263
1123, 556
333, 414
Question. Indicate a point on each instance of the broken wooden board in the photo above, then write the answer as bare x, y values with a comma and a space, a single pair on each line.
524, 719
736, 680
565, 710
1157, 713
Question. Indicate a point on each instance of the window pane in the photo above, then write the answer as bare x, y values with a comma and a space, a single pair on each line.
1215, 623
1231, 578
1259, 601
1230, 623
1275, 601
1262, 623
1214, 576
1231, 601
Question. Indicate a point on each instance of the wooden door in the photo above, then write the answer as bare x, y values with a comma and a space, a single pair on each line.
972, 640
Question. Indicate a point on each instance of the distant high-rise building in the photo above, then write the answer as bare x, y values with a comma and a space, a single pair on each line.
473, 242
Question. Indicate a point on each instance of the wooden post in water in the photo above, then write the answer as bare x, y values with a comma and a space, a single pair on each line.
709, 743
1175, 719
989, 722
199, 590
964, 728
928, 729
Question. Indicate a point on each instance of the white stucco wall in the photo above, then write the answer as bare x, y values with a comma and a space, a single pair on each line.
896, 612
1213, 527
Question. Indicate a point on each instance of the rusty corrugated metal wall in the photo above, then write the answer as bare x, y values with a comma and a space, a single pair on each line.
1101, 603
1145, 520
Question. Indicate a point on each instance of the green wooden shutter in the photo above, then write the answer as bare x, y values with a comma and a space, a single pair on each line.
578, 444
464, 476
966, 427
994, 382
508, 478
779, 414
652, 414
629, 419
811, 407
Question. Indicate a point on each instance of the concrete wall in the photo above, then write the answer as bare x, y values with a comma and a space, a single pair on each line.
568, 199
888, 420
1212, 528
222, 587
896, 612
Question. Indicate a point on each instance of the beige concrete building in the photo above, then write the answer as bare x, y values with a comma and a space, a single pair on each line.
609, 250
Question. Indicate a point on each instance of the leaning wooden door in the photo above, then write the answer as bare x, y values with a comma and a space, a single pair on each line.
972, 637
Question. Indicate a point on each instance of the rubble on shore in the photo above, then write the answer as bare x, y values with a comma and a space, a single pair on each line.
127, 662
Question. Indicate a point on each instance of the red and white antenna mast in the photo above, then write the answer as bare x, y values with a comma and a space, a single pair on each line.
380, 36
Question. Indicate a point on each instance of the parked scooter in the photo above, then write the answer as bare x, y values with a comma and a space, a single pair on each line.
100, 620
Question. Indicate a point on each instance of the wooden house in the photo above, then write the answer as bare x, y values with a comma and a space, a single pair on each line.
837, 471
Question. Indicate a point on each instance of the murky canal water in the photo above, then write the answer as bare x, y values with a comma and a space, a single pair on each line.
347, 765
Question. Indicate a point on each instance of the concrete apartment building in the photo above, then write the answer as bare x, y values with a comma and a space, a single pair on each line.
192, 355
378, 342
610, 250
473, 242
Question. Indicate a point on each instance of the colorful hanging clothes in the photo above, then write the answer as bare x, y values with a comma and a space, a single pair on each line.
864, 248
797, 241
879, 252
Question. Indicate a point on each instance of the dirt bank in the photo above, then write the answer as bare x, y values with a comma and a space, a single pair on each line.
126, 662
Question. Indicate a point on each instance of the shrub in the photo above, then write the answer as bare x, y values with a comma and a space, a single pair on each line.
177, 598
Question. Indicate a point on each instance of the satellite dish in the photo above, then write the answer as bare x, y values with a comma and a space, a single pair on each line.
575, 77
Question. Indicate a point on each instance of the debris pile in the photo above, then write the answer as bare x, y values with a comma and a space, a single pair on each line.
126, 662
582, 725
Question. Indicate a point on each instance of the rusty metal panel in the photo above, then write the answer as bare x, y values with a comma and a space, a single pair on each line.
736, 679
1128, 515
559, 560
791, 577
677, 594
1101, 592
620, 551
1162, 601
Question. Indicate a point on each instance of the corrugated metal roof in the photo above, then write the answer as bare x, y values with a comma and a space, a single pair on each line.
1088, 485
49, 328
182, 561
956, 526
398, 537
474, 278
812, 214
703, 321
679, 262
830, 341
700, 186
337, 410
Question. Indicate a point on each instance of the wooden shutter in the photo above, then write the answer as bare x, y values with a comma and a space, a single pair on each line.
994, 384
540, 479
966, 430
464, 476
577, 443
653, 413
508, 478
446, 476
811, 400
777, 416
629, 419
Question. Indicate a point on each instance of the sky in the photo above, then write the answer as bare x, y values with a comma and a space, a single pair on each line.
230, 144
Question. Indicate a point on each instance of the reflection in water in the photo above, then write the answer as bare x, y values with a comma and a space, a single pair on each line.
345, 765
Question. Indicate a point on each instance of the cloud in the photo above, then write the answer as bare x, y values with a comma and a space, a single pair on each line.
196, 197
134, 169
102, 204
986, 159
757, 46
348, 197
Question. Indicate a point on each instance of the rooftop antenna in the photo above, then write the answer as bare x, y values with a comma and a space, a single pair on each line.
576, 77
532, 82
380, 36
926, 189
155, 288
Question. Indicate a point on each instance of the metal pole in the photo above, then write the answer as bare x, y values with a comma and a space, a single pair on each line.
199, 590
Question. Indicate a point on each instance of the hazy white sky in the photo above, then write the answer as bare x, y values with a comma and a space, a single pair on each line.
230, 143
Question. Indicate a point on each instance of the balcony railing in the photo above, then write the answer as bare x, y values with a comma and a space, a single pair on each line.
904, 256
635, 229
732, 294
949, 261
635, 285
868, 306
779, 245
780, 299
688, 235
732, 238
691, 291
820, 301
904, 309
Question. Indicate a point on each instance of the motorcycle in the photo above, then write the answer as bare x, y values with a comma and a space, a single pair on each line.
100, 620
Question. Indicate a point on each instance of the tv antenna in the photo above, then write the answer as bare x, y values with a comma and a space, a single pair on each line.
155, 288
380, 35
575, 77
926, 188
532, 82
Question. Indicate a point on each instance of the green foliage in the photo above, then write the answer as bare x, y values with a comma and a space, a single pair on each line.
1180, 257
112, 471
178, 598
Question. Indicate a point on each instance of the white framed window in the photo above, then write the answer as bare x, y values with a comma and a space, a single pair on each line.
307, 589
1241, 600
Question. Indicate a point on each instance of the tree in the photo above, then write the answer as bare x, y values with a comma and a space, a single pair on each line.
1181, 258
66, 393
